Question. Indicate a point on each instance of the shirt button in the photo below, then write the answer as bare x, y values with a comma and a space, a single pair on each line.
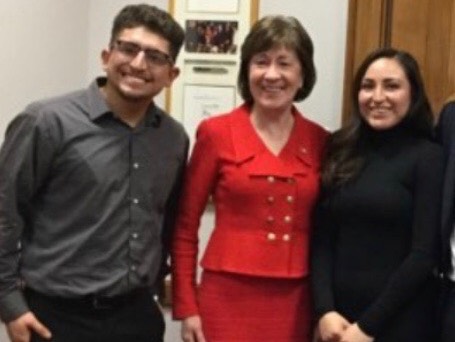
303, 150
270, 179
290, 198
135, 201
286, 237
136, 165
270, 219
133, 268
271, 236
287, 219
135, 235
270, 199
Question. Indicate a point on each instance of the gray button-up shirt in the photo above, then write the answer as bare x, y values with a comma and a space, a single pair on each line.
86, 202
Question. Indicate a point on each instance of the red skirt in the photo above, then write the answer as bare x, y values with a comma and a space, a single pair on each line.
245, 308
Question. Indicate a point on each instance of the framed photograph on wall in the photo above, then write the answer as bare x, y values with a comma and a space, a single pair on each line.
214, 32
211, 36
203, 101
225, 6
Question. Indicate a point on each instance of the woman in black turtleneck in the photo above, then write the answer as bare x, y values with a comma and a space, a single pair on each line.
374, 247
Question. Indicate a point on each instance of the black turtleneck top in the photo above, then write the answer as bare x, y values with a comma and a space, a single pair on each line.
374, 248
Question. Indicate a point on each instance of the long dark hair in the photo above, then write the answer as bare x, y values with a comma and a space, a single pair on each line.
343, 159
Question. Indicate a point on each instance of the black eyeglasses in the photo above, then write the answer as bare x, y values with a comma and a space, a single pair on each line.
152, 56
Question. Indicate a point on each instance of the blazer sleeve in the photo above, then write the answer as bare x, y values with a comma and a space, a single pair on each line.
200, 179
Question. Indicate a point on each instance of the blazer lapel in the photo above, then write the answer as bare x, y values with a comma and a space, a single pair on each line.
294, 159
297, 152
244, 138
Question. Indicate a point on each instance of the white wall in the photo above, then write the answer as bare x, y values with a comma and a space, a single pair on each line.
326, 23
43, 51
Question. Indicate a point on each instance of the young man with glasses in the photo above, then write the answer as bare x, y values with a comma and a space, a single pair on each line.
89, 183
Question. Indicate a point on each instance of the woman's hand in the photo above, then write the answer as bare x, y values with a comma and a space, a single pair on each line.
192, 329
355, 334
332, 326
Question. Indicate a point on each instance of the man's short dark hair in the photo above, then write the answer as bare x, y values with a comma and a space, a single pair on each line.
153, 19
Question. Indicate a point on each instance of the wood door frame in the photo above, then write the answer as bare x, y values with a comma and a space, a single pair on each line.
381, 13
427, 32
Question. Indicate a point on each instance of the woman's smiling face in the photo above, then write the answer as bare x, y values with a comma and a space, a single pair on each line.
385, 94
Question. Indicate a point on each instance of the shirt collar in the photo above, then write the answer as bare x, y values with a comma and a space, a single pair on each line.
98, 106
96, 102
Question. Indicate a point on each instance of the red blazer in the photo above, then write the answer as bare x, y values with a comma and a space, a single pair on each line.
263, 203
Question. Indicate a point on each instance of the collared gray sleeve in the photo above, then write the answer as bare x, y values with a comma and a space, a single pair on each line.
24, 161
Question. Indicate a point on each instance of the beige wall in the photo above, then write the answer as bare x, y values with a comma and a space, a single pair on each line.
43, 51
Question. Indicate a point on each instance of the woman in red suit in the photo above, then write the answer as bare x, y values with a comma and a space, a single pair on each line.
260, 163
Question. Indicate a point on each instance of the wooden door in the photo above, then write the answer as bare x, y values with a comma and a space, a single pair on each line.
425, 28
